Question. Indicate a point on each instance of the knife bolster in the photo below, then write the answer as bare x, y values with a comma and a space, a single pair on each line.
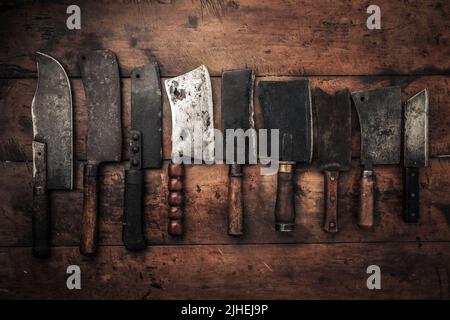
176, 199
285, 206
367, 201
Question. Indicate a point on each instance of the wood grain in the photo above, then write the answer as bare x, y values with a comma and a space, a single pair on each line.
408, 271
296, 37
16, 126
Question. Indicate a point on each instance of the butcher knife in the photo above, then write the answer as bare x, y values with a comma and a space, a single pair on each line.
286, 106
237, 114
100, 74
334, 146
51, 112
379, 112
146, 149
415, 152
191, 104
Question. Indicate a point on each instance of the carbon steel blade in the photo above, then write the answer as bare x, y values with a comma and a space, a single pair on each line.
237, 103
190, 98
379, 113
51, 111
334, 130
146, 113
100, 74
286, 105
416, 130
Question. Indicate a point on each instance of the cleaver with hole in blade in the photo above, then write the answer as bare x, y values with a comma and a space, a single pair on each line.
379, 112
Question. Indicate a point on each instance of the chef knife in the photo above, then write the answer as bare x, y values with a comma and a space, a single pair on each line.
286, 106
334, 146
415, 152
191, 104
51, 111
237, 113
100, 74
379, 112
146, 149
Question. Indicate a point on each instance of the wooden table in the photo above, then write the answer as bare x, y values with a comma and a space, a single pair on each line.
327, 42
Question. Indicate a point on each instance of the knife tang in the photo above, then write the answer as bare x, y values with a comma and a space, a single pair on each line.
176, 199
331, 201
367, 200
412, 195
90, 225
235, 202
133, 229
285, 206
40, 214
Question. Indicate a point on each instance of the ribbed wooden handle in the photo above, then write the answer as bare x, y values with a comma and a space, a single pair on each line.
235, 201
331, 201
176, 199
367, 201
89, 221
285, 206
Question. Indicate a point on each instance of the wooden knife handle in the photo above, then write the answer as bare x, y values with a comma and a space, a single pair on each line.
412, 193
40, 211
133, 227
176, 199
285, 206
367, 201
235, 201
331, 201
90, 205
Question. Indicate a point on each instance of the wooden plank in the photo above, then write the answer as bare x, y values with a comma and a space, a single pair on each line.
274, 37
207, 194
16, 96
314, 271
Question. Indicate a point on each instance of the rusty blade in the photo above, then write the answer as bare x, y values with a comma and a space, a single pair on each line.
51, 111
100, 74
379, 113
190, 98
416, 130
334, 130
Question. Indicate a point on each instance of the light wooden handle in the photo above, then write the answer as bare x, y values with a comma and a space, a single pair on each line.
235, 201
89, 221
331, 201
366, 207
176, 199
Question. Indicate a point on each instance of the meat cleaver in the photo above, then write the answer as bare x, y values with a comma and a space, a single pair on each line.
286, 106
379, 112
51, 111
334, 146
415, 152
146, 149
191, 104
237, 117
100, 74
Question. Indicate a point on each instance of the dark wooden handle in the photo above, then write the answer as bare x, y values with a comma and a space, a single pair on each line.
331, 201
367, 201
176, 199
133, 227
235, 201
285, 206
40, 211
411, 197
90, 205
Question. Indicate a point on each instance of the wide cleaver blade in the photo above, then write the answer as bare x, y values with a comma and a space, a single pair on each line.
51, 111
334, 146
415, 152
286, 106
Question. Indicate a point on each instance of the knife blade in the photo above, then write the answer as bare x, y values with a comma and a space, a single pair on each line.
415, 152
146, 149
379, 113
100, 75
286, 106
334, 146
237, 113
51, 111
191, 104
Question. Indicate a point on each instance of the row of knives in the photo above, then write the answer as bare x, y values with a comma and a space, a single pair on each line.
285, 105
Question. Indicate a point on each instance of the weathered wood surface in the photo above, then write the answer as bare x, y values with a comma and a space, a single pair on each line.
16, 126
233, 272
273, 37
207, 194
